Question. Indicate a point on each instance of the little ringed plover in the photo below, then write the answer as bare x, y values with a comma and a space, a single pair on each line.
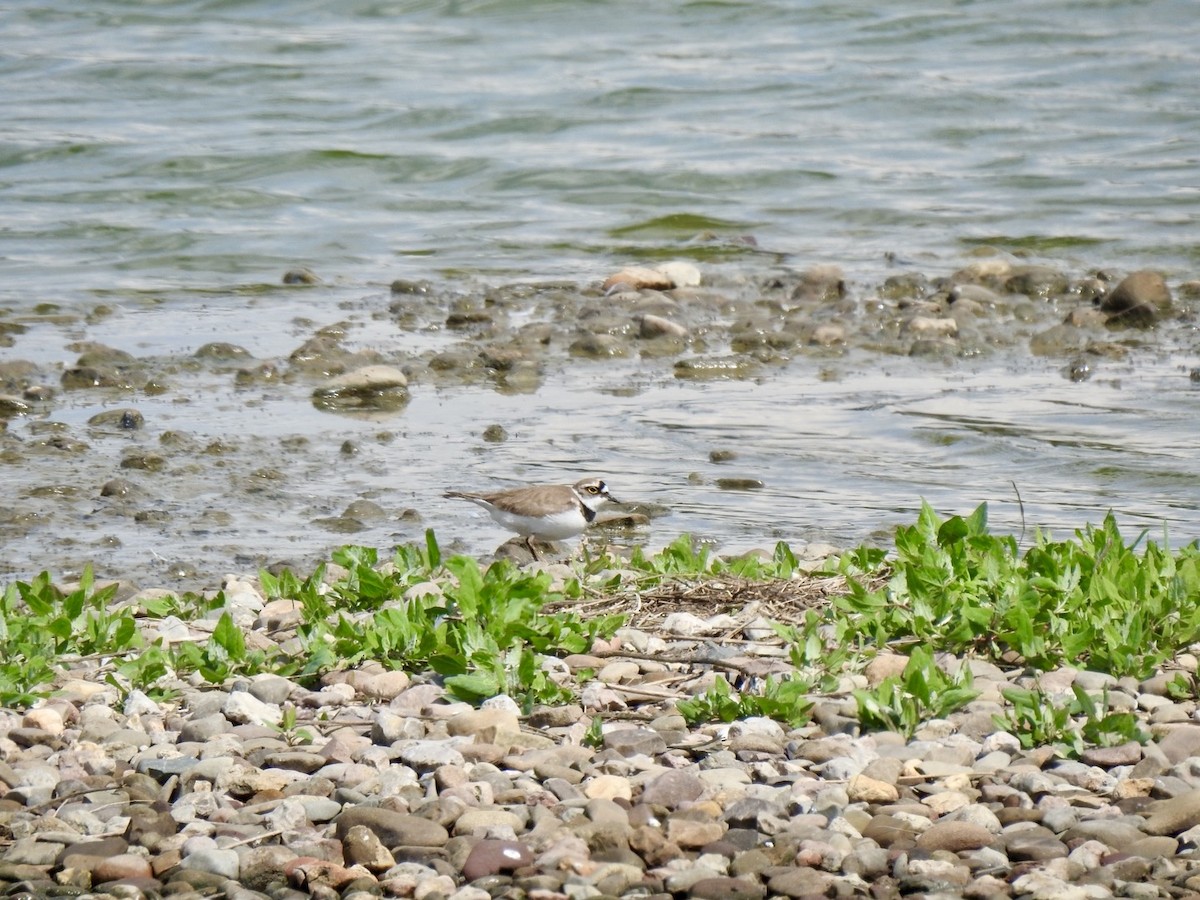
547, 511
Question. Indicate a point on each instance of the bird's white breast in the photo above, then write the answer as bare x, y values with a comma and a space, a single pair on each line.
554, 527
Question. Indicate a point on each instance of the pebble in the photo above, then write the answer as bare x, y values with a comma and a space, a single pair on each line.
376, 387
397, 791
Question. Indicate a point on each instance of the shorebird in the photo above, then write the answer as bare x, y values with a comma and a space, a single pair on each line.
547, 511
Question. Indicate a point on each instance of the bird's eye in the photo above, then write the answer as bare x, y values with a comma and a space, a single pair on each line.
592, 489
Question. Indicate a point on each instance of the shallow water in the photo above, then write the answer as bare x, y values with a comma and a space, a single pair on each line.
172, 161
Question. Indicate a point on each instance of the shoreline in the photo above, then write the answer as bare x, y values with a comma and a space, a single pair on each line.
373, 781
185, 464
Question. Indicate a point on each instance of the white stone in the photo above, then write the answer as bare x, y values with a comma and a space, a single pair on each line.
138, 704
1039, 885
45, 719
681, 274
243, 708
502, 702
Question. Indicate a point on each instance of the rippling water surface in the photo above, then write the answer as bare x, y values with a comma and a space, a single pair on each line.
172, 160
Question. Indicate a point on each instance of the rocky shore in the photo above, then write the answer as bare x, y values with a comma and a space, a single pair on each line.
376, 783
187, 464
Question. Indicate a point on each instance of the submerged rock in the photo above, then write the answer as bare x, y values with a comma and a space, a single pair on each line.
375, 388
1138, 300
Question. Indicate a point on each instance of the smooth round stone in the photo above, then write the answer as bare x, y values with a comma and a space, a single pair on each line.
608, 787
618, 672
378, 387
555, 716
725, 778
754, 812
46, 719
125, 865
635, 741
801, 882
863, 789
725, 888
243, 708
295, 760
393, 828
225, 863
954, 837
271, 689
1033, 845
1141, 289
693, 833
427, 755
673, 789
867, 860
1161, 847
488, 726
1174, 815
482, 819
1060, 819
490, 857
652, 326
932, 875
980, 815
887, 768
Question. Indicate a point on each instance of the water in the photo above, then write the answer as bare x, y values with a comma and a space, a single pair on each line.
172, 160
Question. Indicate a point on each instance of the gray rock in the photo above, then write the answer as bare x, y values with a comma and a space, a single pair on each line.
801, 882
954, 836
427, 755
271, 689
1114, 833
200, 729
379, 388
1034, 844
225, 863
1173, 815
724, 888
243, 708
319, 809
635, 741
393, 828
1180, 742
1138, 299
673, 789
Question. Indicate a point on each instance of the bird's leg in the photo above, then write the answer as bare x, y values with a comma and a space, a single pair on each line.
532, 549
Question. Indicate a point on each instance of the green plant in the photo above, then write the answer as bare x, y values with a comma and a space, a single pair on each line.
485, 631
1037, 720
820, 656
594, 736
688, 557
1183, 686
41, 626
921, 692
783, 699
143, 670
1102, 727
288, 730
1094, 600
223, 656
